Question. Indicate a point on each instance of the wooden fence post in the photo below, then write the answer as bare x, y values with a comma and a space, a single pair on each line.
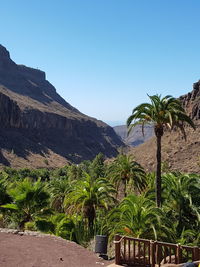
178, 253
117, 249
196, 254
152, 244
157, 251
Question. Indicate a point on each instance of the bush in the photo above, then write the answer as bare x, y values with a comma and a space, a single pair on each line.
30, 226
2, 221
45, 226
65, 229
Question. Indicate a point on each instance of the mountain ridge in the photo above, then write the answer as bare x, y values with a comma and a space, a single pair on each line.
33, 112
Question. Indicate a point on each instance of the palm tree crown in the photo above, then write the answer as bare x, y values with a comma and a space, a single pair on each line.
162, 112
182, 192
29, 200
137, 216
59, 189
90, 193
128, 172
166, 112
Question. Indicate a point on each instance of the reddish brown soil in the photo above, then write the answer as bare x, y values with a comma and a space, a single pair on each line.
44, 251
177, 154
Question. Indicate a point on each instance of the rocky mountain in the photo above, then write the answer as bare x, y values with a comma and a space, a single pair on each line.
135, 137
191, 101
39, 128
177, 154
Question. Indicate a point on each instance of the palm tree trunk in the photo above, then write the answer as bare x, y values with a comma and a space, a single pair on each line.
90, 214
158, 171
125, 194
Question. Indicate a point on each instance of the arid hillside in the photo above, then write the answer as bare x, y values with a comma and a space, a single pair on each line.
177, 154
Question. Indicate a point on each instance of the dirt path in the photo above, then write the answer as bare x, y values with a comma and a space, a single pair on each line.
44, 251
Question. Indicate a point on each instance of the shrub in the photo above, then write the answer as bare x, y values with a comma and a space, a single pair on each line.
30, 226
45, 226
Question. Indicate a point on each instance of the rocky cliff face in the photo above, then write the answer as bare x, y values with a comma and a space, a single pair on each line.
191, 101
31, 110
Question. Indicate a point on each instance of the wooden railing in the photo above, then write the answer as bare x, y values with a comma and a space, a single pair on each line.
143, 252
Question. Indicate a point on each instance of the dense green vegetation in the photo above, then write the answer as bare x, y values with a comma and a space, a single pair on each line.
77, 202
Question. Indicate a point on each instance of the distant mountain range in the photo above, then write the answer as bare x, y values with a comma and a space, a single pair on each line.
39, 128
135, 137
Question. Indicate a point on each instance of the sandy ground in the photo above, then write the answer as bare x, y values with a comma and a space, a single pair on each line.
44, 251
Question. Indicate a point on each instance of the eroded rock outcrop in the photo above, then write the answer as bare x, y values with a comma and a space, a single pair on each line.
191, 101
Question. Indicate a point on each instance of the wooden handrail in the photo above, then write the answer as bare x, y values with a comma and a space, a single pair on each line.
166, 244
137, 239
142, 252
120, 240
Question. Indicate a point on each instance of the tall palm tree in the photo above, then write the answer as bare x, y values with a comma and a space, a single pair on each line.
124, 170
89, 194
166, 112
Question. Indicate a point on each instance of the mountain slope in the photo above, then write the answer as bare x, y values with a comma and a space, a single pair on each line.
39, 128
135, 137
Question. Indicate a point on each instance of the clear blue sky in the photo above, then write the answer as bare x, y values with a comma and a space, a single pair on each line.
104, 56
